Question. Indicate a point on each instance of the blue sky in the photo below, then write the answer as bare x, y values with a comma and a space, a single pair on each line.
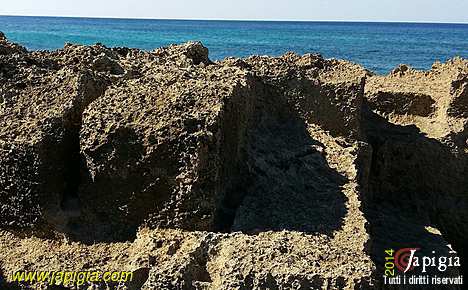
348, 10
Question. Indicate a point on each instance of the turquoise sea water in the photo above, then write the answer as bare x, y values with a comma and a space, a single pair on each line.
378, 46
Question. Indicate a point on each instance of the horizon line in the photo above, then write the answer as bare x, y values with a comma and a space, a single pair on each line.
239, 20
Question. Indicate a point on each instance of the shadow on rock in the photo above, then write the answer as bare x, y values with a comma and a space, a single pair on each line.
288, 184
6, 285
417, 186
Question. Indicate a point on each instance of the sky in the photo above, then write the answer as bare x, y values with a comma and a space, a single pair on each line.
313, 10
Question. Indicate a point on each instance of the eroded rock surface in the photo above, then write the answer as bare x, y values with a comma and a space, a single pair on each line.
42, 101
419, 134
435, 101
256, 173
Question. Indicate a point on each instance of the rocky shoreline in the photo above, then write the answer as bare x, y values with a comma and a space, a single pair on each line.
291, 172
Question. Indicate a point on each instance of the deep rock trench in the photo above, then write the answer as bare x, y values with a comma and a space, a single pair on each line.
280, 179
70, 201
415, 182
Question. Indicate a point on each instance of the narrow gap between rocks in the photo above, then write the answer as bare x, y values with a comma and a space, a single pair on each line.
70, 202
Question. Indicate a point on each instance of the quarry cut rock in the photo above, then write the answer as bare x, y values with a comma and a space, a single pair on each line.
291, 172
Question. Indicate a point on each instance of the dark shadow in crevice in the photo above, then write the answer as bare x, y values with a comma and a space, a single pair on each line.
68, 211
70, 202
414, 182
102, 199
233, 172
7, 285
283, 181
78, 213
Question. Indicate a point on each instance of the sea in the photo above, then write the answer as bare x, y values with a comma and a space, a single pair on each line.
380, 47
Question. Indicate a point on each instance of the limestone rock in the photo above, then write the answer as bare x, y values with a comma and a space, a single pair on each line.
259, 173
418, 129
40, 115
